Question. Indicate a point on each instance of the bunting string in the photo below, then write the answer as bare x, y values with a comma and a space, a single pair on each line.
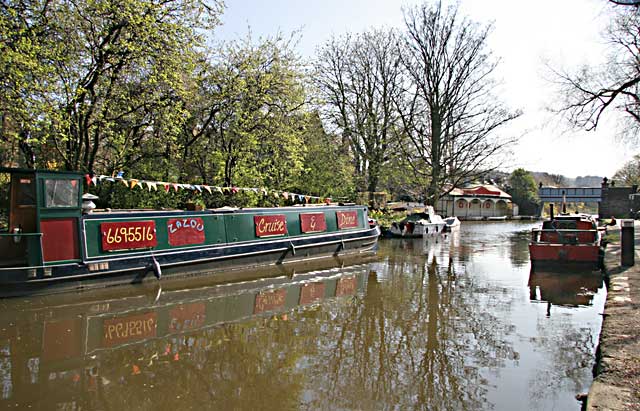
132, 183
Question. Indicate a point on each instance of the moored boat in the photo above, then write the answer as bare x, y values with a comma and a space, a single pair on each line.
417, 225
52, 244
452, 224
567, 239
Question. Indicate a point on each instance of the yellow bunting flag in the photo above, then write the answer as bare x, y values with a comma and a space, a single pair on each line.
134, 182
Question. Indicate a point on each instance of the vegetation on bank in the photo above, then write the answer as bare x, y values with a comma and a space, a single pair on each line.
141, 86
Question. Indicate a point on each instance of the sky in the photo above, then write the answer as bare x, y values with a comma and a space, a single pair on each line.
528, 37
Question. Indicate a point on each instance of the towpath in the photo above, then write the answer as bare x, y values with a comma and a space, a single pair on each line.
617, 382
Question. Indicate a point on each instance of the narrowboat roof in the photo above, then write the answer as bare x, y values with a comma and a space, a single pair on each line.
573, 217
36, 171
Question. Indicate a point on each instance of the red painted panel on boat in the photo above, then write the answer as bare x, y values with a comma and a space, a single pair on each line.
568, 237
187, 317
269, 300
60, 239
185, 231
312, 222
347, 219
346, 286
270, 225
311, 293
127, 235
61, 339
564, 253
130, 328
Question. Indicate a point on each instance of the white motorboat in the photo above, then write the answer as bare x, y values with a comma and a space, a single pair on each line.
418, 224
452, 224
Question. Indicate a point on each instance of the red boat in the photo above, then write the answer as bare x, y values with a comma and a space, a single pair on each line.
567, 239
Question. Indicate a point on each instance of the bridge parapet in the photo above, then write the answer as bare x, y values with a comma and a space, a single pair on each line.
570, 194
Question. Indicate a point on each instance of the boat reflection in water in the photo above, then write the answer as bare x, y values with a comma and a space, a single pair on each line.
106, 348
569, 289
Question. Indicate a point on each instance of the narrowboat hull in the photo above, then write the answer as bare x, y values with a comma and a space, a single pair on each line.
53, 241
202, 261
565, 254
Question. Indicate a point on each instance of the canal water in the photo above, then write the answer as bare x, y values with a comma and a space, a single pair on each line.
448, 323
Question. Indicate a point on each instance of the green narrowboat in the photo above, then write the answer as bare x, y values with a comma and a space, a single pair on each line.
50, 243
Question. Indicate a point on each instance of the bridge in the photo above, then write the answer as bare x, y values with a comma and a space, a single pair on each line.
570, 194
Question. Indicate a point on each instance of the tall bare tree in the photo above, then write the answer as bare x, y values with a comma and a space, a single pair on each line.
358, 78
449, 113
592, 91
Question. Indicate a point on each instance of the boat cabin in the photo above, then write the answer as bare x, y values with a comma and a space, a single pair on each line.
39, 216
569, 228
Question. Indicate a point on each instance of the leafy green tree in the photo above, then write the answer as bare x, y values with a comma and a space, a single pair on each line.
523, 191
246, 126
629, 173
328, 170
104, 77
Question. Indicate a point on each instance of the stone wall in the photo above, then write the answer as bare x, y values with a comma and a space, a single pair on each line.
616, 202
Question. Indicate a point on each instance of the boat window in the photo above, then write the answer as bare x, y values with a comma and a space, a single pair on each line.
61, 193
25, 191
5, 179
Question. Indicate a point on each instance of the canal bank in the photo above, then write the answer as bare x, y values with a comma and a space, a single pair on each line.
616, 385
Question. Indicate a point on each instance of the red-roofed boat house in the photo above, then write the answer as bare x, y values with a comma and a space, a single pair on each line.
477, 203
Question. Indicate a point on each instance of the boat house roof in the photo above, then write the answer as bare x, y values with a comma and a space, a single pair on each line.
484, 190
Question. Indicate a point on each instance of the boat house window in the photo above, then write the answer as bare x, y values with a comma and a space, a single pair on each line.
61, 193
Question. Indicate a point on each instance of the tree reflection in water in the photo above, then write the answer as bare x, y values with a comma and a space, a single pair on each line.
416, 341
437, 324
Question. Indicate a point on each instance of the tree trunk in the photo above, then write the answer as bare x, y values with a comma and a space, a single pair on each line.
433, 191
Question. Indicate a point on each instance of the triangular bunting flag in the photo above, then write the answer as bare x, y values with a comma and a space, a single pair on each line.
166, 187
94, 180
87, 177
234, 190
207, 188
